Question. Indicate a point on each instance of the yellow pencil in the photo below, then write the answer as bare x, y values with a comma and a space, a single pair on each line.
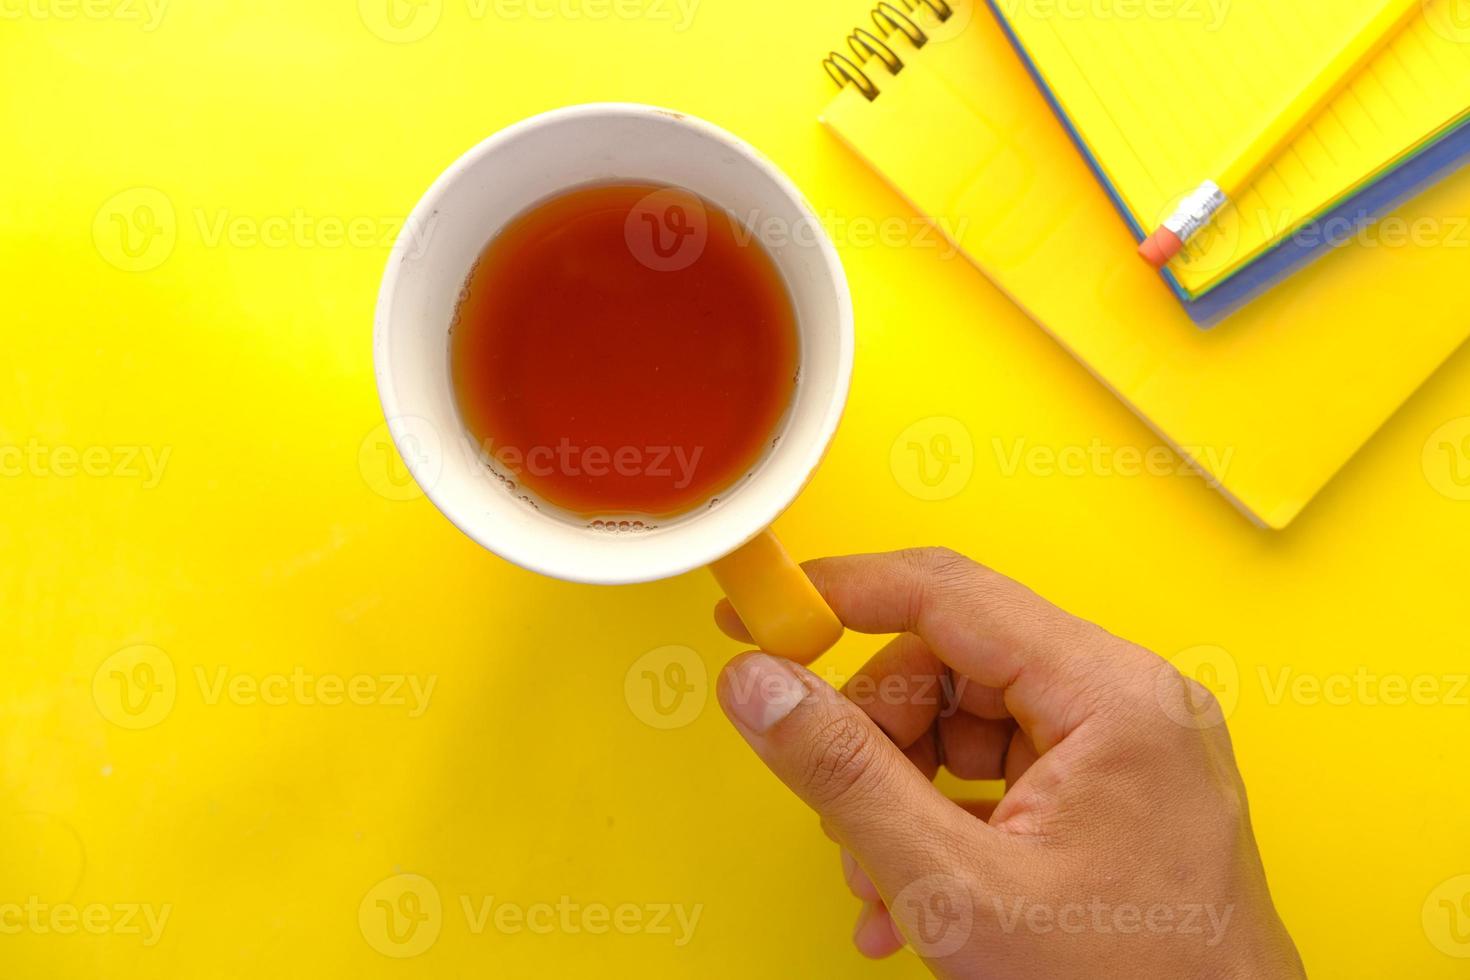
1200, 207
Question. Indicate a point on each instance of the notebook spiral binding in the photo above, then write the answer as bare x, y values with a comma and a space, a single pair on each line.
865, 45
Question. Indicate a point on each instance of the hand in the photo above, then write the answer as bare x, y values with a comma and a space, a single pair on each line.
1122, 846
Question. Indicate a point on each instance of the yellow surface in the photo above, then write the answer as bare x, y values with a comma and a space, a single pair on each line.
1171, 94
1271, 402
277, 541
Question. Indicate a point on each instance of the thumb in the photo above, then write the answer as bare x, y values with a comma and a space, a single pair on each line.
822, 746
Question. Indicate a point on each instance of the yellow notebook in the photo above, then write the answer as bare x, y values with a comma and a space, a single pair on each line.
1269, 405
1163, 95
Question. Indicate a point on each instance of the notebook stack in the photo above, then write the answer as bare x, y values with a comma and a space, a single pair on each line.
1058, 133
1153, 102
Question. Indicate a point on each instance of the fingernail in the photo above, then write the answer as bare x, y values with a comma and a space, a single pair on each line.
762, 690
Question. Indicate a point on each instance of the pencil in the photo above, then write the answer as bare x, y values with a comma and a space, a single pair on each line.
1211, 197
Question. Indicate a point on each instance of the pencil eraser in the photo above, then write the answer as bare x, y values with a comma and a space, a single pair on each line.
1157, 249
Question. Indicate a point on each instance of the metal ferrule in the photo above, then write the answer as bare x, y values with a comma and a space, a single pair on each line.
1197, 210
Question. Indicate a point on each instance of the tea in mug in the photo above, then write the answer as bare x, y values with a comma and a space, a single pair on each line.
624, 349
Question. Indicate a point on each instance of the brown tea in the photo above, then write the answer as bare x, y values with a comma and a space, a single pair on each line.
624, 349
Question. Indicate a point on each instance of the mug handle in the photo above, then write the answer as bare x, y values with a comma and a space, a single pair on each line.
783, 610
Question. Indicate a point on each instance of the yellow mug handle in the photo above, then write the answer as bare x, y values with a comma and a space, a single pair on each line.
784, 612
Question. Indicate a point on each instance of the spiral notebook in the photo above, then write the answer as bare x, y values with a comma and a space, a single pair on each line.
1286, 391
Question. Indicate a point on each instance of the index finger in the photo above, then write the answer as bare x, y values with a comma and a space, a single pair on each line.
1053, 667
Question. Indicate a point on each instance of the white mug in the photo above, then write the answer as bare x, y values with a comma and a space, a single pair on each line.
466, 207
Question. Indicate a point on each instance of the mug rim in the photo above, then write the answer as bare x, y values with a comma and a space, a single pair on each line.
773, 501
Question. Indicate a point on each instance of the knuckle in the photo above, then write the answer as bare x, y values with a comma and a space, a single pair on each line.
1200, 699
1182, 700
1121, 676
935, 571
941, 563
843, 759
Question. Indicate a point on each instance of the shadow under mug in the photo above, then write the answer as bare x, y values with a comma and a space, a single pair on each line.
466, 207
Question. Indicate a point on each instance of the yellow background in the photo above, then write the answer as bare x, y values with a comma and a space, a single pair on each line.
276, 540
